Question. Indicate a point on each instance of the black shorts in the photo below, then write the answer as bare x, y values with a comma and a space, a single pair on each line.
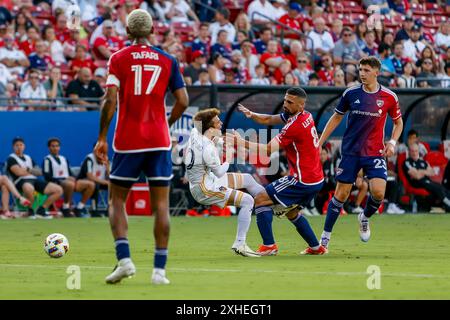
38, 185
58, 181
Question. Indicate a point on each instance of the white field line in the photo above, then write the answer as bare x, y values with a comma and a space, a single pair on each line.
189, 270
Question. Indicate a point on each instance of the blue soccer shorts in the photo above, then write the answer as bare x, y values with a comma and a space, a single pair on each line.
156, 166
288, 191
373, 167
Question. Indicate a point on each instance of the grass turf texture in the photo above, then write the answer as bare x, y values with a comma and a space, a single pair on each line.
412, 252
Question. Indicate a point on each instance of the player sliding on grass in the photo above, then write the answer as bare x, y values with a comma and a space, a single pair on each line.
209, 181
139, 77
363, 143
305, 179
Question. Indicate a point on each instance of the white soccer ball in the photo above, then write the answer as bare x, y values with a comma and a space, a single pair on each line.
56, 245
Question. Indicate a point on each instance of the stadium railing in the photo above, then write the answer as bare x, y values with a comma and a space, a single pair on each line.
286, 27
425, 109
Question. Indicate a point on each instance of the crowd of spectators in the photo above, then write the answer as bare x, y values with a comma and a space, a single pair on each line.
247, 45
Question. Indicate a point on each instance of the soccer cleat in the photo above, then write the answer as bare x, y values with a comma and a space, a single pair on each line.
305, 211
41, 213
315, 212
192, 213
31, 214
124, 269
66, 213
8, 215
159, 276
364, 229
245, 251
270, 250
310, 251
80, 213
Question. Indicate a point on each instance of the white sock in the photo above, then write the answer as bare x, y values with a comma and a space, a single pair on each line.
80, 205
326, 234
251, 185
315, 247
244, 218
66, 206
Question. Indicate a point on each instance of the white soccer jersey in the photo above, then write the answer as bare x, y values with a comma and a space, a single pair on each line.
201, 157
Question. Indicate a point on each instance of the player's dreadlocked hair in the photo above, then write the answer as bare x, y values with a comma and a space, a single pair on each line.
297, 91
139, 23
203, 119
371, 61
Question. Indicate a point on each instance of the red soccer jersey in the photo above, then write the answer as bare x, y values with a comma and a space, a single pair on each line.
300, 140
143, 75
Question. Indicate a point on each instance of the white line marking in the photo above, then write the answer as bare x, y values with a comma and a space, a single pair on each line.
388, 274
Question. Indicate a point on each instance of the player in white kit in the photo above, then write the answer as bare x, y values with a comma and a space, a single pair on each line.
209, 182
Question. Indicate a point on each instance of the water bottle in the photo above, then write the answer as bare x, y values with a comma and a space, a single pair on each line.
414, 206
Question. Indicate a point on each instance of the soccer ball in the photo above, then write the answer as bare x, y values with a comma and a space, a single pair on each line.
56, 245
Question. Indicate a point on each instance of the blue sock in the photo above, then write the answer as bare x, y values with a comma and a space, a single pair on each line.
305, 230
122, 248
160, 258
333, 211
372, 206
264, 217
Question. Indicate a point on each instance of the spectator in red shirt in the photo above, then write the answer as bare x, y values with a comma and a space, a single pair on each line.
295, 51
81, 60
282, 71
326, 72
71, 43
292, 20
106, 44
61, 30
28, 45
272, 59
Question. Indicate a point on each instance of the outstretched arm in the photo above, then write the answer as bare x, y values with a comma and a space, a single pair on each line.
331, 125
265, 119
234, 138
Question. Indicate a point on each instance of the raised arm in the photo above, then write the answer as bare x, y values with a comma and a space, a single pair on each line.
331, 125
265, 119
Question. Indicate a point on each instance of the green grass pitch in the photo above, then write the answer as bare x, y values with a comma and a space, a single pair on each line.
412, 252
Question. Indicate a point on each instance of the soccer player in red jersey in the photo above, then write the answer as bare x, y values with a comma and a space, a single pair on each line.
139, 77
368, 105
300, 140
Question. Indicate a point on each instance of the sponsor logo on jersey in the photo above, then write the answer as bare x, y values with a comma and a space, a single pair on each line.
357, 101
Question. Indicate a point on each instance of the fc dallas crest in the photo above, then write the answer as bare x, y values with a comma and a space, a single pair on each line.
380, 103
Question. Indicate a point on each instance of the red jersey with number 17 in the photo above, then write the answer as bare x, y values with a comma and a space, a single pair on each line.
143, 74
300, 140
